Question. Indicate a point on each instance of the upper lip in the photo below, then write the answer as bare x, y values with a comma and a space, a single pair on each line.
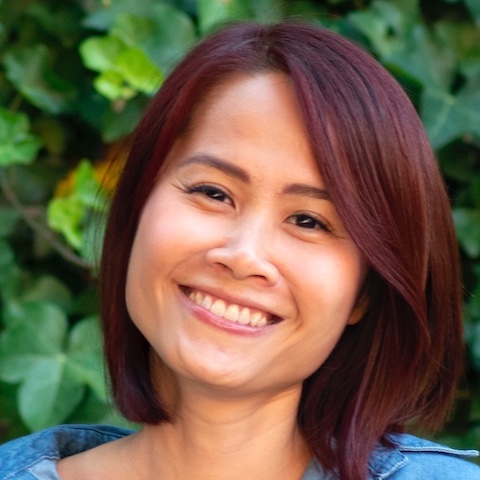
240, 300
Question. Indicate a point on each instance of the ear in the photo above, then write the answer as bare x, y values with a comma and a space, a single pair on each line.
361, 307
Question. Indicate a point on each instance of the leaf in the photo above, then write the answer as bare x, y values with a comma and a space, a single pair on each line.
65, 216
138, 71
116, 125
30, 71
63, 21
106, 14
172, 36
17, 144
112, 86
49, 393
447, 116
474, 8
85, 356
132, 30
86, 186
378, 22
212, 13
137, 50
99, 53
32, 352
425, 57
34, 331
48, 288
467, 224
68, 214
404, 43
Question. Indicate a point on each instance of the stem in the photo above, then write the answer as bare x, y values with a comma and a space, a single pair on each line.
36, 226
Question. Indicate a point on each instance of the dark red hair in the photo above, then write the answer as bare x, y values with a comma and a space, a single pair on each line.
402, 360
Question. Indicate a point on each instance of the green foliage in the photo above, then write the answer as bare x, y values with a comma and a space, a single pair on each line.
17, 143
71, 213
75, 77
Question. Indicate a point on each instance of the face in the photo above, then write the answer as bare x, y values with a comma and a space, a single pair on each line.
242, 276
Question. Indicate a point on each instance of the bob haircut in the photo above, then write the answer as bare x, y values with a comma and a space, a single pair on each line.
401, 361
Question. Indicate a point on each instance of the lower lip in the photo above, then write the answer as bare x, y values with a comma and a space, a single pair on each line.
209, 318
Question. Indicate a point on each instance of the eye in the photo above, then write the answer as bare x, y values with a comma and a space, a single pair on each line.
212, 192
305, 221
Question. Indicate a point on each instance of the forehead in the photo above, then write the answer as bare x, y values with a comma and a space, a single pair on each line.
248, 117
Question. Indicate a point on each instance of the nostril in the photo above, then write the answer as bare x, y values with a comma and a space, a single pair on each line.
243, 263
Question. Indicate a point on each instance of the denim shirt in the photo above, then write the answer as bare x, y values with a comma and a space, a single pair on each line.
34, 457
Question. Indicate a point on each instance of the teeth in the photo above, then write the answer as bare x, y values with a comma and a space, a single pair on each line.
255, 319
218, 308
207, 301
232, 312
244, 316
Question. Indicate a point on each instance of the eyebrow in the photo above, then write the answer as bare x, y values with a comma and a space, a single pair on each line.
211, 161
239, 173
306, 191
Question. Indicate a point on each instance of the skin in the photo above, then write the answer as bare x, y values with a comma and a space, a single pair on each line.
240, 214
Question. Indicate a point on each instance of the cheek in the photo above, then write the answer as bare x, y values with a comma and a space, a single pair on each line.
328, 288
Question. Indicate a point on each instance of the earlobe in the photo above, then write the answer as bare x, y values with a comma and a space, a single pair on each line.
360, 309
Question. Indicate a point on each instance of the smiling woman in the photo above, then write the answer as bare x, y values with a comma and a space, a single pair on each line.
279, 278
257, 235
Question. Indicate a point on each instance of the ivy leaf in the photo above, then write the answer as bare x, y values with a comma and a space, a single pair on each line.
173, 34
17, 144
63, 22
49, 393
447, 116
426, 58
474, 8
99, 53
52, 377
214, 12
467, 224
31, 353
138, 71
124, 70
106, 14
384, 24
85, 355
34, 330
67, 214
111, 85
47, 288
133, 30
30, 71
403, 43
120, 124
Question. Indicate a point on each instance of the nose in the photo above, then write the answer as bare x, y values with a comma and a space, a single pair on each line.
245, 253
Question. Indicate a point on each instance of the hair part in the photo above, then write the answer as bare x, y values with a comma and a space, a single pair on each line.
402, 360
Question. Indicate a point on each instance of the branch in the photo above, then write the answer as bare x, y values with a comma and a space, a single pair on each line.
39, 228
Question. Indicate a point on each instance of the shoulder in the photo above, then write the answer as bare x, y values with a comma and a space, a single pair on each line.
17, 456
415, 458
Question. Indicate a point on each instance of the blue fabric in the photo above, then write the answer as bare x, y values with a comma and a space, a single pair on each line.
34, 457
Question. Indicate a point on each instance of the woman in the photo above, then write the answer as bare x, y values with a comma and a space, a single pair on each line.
279, 278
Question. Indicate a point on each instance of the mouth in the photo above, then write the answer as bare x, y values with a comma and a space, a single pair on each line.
230, 311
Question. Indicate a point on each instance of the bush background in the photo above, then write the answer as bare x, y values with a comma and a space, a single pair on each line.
75, 76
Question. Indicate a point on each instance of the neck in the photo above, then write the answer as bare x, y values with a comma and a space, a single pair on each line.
225, 438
